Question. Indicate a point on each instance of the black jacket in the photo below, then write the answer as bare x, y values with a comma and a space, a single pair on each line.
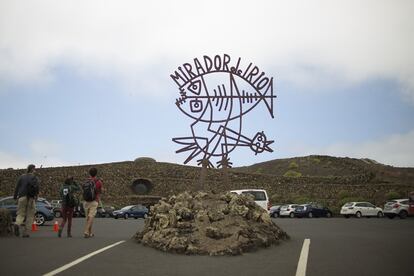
21, 186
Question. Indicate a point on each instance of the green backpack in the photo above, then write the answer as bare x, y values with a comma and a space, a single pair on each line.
68, 198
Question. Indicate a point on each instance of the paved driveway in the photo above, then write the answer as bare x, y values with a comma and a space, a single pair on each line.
338, 247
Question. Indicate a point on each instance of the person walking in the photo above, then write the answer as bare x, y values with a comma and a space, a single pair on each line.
92, 190
69, 201
26, 192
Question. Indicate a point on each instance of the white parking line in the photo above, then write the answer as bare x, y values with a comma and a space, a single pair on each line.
75, 262
303, 259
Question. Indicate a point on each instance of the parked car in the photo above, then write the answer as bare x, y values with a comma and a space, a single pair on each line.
78, 211
396, 207
101, 212
57, 212
260, 196
131, 211
274, 211
43, 209
288, 210
109, 210
361, 209
312, 210
56, 203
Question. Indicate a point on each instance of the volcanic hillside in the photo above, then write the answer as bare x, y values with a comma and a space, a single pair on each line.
328, 166
326, 179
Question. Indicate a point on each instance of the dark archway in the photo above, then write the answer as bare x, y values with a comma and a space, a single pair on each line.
141, 186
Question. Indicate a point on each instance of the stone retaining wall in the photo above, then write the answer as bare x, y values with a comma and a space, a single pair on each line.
168, 179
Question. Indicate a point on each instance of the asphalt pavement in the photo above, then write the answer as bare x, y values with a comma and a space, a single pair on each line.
338, 247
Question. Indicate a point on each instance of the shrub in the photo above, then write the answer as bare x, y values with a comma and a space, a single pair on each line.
292, 173
276, 198
392, 195
343, 194
145, 160
302, 200
293, 165
316, 160
259, 170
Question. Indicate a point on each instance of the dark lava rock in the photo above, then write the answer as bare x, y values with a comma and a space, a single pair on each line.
209, 224
6, 223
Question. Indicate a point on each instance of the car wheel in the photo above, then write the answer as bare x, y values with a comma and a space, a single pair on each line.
275, 215
403, 214
310, 215
126, 216
329, 215
292, 215
57, 214
115, 217
390, 216
380, 214
40, 219
358, 214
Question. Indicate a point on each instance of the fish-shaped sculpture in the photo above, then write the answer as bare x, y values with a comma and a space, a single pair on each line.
217, 102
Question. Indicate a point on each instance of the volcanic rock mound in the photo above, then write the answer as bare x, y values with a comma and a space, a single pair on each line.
209, 224
6, 222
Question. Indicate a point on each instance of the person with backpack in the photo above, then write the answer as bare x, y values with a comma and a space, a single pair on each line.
92, 189
26, 192
69, 201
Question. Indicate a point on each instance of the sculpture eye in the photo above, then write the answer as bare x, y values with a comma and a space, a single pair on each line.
195, 87
196, 106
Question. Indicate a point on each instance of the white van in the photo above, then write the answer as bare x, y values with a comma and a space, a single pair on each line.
260, 197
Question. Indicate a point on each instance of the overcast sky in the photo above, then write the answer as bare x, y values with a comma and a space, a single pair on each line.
86, 82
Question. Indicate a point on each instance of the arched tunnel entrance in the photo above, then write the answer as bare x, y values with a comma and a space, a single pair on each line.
141, 186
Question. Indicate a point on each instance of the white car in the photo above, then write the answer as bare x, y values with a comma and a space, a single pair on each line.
288, 210
260, 197
361, 209
396, 207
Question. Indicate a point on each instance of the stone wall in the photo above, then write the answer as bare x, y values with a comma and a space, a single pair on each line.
168, 179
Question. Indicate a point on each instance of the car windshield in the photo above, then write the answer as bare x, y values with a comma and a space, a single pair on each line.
300, 208
391, 202
284, 207
349, 204
126, 208
258, 195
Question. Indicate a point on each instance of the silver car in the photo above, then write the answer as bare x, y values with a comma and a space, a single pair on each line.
361, 209
396, 207
288, 210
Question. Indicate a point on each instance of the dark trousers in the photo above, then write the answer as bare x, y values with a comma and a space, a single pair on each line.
67, 214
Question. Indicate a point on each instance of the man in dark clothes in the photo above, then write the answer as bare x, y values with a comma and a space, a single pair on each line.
26, 192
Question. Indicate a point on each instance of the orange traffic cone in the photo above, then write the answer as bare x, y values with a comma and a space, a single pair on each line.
56, 227
34, 227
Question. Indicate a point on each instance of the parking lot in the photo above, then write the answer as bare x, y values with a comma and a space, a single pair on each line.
338, 246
